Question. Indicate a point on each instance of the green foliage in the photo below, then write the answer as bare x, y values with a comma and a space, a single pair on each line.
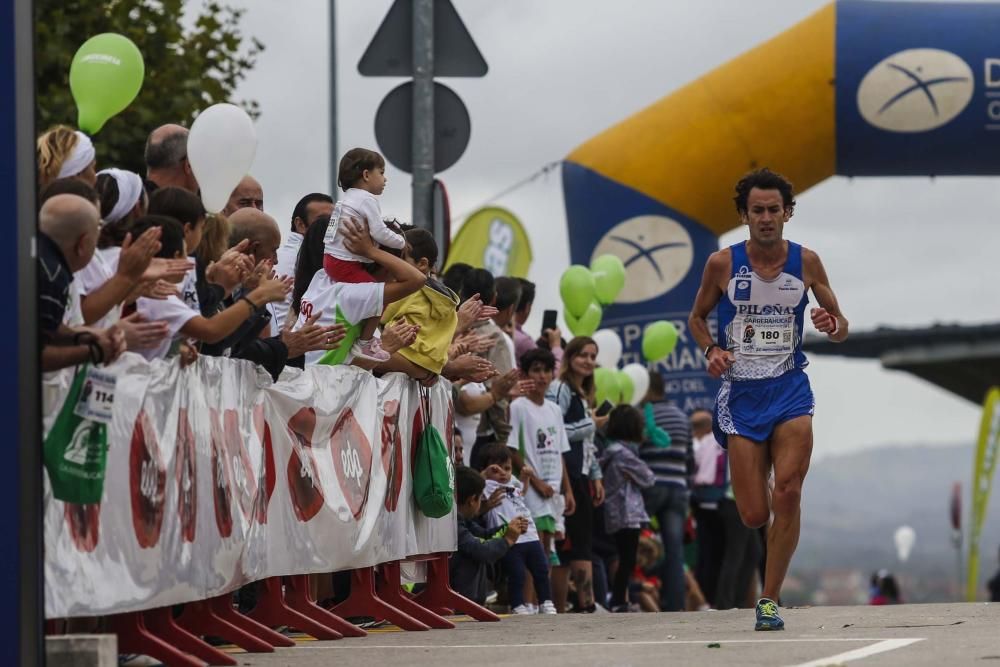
186, 70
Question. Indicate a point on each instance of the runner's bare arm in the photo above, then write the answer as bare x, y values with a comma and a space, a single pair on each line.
827, 318
716, 269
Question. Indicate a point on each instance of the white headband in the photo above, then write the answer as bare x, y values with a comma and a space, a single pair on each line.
129, 192
80, 158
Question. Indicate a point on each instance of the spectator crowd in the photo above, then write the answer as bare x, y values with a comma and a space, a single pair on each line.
563, 505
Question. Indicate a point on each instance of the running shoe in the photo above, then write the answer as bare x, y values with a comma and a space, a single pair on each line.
767, 616
370, 349
523, 610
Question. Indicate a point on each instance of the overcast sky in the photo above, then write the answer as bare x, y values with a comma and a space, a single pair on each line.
899, 252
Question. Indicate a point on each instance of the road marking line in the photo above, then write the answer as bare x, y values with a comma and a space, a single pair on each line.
860, 653
881, 640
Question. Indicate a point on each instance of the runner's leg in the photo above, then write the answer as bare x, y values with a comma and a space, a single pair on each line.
791, 448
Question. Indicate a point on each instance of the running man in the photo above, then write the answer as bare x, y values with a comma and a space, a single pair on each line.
763, 413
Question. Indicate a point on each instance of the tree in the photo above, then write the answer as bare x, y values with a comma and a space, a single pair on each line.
186, 70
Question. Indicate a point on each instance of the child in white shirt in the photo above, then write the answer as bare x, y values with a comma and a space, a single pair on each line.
362, 177
538, 440
527, 553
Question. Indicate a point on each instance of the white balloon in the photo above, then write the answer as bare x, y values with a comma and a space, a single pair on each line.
221, 148
640, 380
904, 538
609, 348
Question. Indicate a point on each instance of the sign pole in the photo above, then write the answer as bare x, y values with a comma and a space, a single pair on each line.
423, 112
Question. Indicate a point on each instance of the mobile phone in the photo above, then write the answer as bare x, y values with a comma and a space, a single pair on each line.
549, 320
605, 408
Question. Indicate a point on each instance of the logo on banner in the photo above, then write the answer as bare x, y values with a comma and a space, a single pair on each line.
222, 494
185, 472
243, 476
392, 454
352, 459
84, 525
303, 474
268, 474
657, 252
916, 90
147, 482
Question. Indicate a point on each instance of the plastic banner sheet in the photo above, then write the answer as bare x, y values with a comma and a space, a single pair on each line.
218, 476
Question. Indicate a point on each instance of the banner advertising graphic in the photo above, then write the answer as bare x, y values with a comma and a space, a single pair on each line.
218, 477
658, 247
982, 482
493, 239
918, 88
858, 88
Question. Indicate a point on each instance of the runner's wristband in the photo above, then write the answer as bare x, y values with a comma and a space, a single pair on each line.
709, 349
836, 327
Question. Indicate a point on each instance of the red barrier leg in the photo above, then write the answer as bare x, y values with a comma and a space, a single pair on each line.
389, 588
364, 602
299, 598
223, 607
134, 637
272, 610
200, 618
441, 599
161, 622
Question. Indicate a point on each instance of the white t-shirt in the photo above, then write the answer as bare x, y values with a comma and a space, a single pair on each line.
706, 457
363, 206
510, 346
538, 432
288, 255
355, 301
171, 310
467, 425
89, 279
189, 290
513, 506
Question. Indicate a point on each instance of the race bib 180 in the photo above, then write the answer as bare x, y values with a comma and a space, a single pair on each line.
766, 334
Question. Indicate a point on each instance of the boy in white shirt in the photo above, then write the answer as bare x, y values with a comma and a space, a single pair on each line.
182, 320
538, 438
362, 176
527, 552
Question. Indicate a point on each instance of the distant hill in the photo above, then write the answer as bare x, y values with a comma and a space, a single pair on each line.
853, 504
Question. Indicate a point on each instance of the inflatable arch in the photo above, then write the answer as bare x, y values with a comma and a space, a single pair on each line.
859, 88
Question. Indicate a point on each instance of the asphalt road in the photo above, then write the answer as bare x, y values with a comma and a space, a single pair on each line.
939, 634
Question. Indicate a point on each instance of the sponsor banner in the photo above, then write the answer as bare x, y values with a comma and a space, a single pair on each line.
917, 88
982, 482
493, 238
664, 253
218, 477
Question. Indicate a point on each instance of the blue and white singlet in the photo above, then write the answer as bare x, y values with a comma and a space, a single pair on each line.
760, 321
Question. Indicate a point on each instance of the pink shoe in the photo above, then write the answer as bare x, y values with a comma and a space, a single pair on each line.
370, 349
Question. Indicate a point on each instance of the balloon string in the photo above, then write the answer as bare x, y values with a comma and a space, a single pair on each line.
512, 188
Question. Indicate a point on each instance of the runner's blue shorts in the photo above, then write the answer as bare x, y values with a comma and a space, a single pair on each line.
752, 408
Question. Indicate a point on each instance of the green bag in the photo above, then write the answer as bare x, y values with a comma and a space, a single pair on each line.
655, 434
433, 473
76, 450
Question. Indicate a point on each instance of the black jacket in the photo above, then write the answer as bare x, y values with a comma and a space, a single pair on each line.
478, 549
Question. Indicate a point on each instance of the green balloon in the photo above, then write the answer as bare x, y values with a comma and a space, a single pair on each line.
609, 277
659, 340
626, 387
586, 325
606, 385
105, 77
576, 287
